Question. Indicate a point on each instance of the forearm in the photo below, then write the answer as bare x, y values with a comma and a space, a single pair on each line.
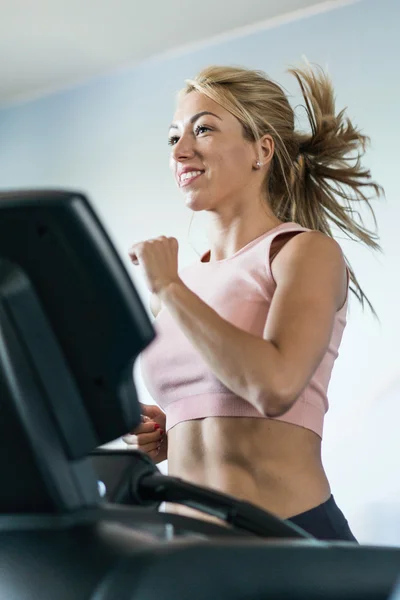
244, 363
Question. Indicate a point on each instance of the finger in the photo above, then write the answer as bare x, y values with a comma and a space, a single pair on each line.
149, 438
151, 410
153, 454
151, 451
147, 448
174, 242
145, 428
143, 437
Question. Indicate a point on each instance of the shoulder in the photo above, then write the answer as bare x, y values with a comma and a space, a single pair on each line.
313, 258
308, 245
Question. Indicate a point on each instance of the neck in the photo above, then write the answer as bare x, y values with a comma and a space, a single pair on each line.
228, 233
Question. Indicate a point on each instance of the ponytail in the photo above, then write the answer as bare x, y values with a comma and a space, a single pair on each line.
316, 179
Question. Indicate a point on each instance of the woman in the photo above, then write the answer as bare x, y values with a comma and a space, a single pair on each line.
248, 335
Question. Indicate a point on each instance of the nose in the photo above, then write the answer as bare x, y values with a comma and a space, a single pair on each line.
183, 149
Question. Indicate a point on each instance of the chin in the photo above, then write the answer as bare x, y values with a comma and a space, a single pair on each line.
197, 202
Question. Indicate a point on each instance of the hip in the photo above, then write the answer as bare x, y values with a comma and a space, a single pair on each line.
325, 522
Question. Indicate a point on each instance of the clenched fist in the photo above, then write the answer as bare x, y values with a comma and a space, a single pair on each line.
158, 258
150, 436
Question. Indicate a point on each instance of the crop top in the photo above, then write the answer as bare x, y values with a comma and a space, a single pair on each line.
240, 289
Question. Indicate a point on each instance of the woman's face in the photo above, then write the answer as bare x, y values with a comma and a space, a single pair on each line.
210, 158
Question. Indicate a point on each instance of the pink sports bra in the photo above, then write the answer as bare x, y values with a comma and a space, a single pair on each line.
240, 289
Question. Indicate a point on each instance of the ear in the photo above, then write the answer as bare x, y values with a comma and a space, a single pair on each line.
266, 148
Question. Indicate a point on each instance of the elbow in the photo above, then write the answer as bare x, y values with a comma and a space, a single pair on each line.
276, 407
274, 403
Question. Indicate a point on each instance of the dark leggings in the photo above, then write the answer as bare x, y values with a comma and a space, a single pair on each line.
325, 522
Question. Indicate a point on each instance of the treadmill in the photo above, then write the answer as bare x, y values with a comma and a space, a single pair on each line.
71, 328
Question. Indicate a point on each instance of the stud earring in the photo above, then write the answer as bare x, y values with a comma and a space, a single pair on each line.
258, 164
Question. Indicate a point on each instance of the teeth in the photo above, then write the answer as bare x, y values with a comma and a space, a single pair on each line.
189, 175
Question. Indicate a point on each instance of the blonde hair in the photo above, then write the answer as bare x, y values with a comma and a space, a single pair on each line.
316, 179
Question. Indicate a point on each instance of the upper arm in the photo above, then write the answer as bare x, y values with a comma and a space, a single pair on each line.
155, 305
311, 285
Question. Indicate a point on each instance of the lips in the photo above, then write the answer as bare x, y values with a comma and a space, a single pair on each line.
187, 177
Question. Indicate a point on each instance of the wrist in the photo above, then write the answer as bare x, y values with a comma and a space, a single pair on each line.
170, 291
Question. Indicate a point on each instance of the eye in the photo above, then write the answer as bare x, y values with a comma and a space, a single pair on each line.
201, 129
173, 140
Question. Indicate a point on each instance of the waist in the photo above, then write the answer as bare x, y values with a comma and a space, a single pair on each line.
274, 465
304, 413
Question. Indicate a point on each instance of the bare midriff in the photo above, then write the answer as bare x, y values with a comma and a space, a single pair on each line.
272, 464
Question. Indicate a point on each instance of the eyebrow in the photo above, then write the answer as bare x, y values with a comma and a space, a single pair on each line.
195, 117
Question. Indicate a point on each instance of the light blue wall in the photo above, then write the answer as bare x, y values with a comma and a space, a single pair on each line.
108, 138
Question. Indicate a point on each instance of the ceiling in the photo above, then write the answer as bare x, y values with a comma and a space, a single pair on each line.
47, 45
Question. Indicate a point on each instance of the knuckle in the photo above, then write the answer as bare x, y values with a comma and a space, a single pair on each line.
152, 446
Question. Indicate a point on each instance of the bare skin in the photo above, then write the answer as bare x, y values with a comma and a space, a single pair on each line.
273, 464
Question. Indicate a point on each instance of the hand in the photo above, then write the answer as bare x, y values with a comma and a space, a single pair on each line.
150, 436
159, 259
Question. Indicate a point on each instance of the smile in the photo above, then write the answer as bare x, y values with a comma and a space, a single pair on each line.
187, 178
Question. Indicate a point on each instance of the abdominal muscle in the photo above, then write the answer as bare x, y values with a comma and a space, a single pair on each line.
274, 465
